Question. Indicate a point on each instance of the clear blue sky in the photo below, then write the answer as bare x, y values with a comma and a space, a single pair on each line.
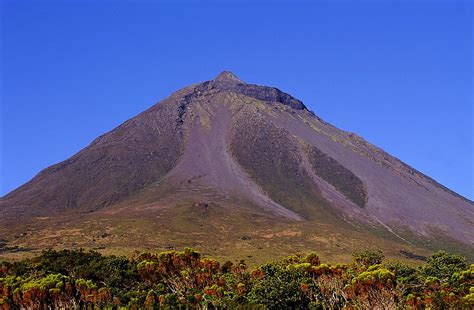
398, 73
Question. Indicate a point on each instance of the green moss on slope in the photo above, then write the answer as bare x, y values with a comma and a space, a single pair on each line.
272, 158
337, 175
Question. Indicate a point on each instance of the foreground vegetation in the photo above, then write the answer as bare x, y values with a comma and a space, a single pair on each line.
76, 278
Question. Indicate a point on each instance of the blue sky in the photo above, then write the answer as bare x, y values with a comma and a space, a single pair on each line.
398, 73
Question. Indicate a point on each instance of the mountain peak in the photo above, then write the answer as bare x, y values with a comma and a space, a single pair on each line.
228, 81
227, 76
247, 157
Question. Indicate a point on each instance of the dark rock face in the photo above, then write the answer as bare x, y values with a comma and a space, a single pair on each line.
413, 256
267, 94
227, 145
228, 82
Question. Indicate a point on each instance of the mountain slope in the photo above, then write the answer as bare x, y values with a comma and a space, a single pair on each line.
223, 159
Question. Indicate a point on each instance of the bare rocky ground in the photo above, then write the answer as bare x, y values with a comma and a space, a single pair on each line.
236, 170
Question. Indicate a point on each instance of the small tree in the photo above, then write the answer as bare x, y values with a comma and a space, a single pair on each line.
373, 289
365, 259
279, 288
442, 265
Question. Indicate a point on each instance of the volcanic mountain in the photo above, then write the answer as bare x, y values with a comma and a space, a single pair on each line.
234, 168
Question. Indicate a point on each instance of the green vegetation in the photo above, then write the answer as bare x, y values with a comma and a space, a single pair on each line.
76, 278
336, 174
271, 157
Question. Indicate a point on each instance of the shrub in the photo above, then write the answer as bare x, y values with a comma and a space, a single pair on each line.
279, 288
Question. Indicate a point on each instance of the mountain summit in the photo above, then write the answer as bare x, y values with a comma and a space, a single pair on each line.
227, 76
230, 167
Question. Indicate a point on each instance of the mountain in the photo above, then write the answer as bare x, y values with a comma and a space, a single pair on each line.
229, 167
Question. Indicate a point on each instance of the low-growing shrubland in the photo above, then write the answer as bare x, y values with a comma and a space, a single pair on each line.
87, 279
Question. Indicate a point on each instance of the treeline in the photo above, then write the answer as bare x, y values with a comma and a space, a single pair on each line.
87, 280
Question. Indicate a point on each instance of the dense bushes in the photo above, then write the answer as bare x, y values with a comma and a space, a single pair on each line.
278, 286
75, 278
